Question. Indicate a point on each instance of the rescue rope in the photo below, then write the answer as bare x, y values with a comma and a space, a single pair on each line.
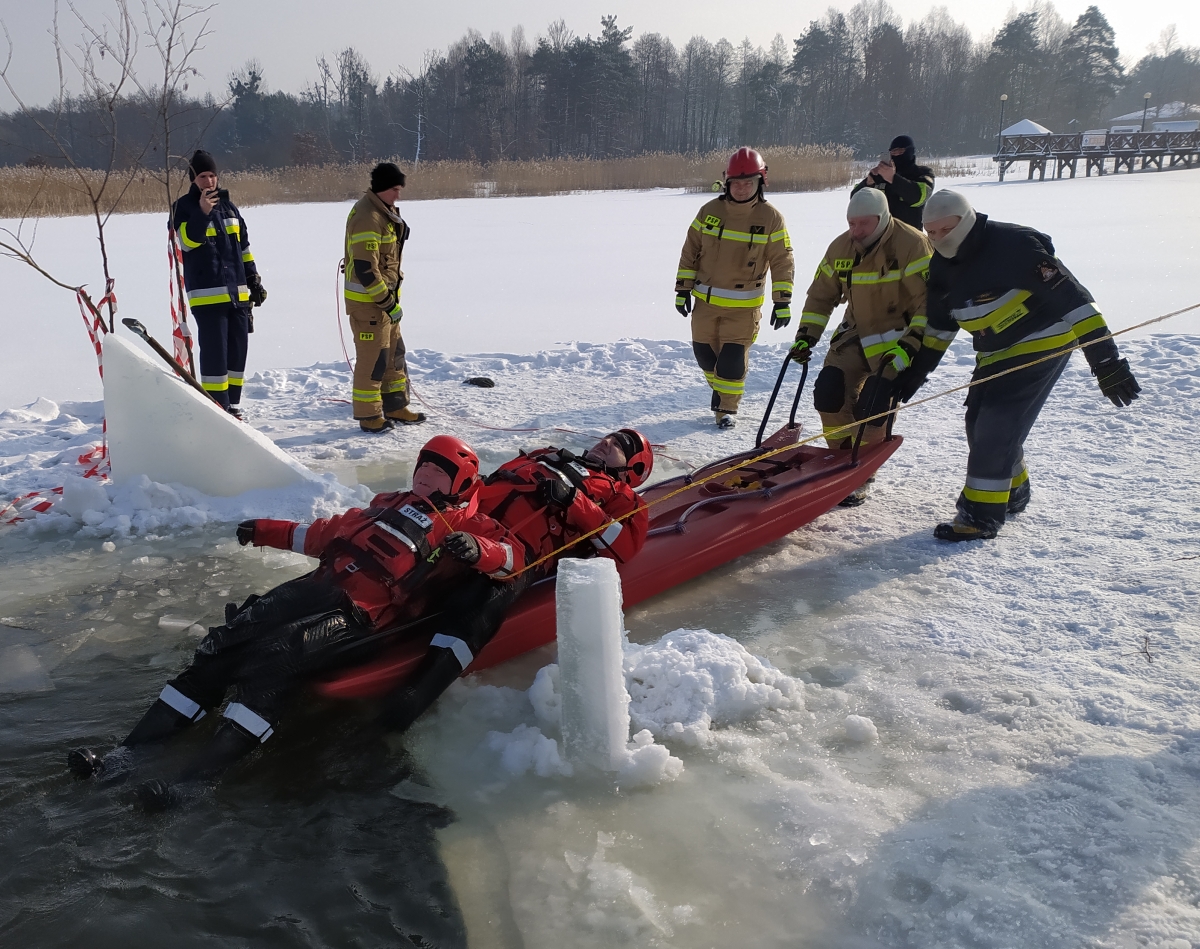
848, 429
337, 309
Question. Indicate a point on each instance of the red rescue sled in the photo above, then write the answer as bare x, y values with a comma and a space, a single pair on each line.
703, 527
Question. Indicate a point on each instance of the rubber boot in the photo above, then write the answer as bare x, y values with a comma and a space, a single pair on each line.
158, 724
406, 416
725, 420
377, 425
1018, 498
960, 531
859, 495
432, 679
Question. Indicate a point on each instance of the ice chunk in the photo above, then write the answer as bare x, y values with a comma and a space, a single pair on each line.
595, 703
526, 749
162, 428
860, 729
175, 624
22, 671
81, 495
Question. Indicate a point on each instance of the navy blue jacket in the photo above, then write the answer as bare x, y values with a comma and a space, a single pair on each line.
216, 251
1006, 287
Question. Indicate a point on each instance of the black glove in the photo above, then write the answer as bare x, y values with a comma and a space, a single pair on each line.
801, 350
258, 293
875, 397
907, 383
462, 547
245, 532
781, 315
556, 494
1116, 381
683, 303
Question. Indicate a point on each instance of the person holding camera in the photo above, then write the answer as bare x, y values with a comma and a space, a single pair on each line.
906, 184
221, 279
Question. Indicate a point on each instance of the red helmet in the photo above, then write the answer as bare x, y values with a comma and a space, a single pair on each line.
746, 163
639, 456
453, 456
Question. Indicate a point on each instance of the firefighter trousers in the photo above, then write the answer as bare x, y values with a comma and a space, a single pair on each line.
1000, 415
721, 340
380, 369
222, 330
836, 391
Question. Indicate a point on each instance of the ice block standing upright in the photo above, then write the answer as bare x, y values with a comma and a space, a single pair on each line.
595, 702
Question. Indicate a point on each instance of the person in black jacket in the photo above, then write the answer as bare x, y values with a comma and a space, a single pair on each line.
1004, 285
220, 277
906, 184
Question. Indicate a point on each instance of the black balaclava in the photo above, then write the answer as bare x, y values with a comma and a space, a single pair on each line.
909, 158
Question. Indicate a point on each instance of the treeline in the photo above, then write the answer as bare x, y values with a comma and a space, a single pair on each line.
855, 78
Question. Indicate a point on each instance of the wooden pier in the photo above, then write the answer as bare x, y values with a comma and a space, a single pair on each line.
1064, 152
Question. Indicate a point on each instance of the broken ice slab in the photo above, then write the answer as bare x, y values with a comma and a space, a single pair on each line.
175, 624
22, 671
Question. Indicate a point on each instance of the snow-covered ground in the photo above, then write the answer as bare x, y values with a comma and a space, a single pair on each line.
993, 745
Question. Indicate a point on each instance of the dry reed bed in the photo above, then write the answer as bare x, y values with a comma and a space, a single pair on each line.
45, 192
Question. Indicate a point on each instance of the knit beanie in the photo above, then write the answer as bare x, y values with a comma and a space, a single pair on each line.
201, 162
386, 175
943, 204
867, 202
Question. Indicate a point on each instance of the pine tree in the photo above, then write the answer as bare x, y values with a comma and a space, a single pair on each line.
1092, 73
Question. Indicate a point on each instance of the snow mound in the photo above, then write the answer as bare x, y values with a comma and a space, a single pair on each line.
691, 680
860, 729
141, 507
681, 687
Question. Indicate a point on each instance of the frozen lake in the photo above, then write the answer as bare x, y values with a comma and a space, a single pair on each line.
987, 746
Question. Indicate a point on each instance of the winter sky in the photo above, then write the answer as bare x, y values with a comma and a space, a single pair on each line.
288, 38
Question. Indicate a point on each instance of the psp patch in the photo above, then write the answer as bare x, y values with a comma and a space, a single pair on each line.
372, 245
366, 337
712, 220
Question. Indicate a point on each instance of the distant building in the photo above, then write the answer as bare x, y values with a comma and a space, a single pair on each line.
1026, 127
1166, 117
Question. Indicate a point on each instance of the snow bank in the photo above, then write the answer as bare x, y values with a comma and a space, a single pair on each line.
681, 688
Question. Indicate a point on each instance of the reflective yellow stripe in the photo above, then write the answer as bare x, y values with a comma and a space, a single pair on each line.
726, 387
222, 386
1039, 345
781, 236
1084, 327
938, 340
920, 321
730, 298
997, 316
686, 275
917, 266
366, 395
236, 378
985, 497
208, 296
401, 385
891, 276
825, 269
815, 319
924, 188
247, 257
188, 243
210, 231
783, 286
1020, 479
363, 237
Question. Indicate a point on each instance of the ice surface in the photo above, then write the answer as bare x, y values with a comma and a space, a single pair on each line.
595, 704
162, 429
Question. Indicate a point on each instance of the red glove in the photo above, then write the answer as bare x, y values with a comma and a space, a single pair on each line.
266, 533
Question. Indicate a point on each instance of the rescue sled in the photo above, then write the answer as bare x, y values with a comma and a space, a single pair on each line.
704, 526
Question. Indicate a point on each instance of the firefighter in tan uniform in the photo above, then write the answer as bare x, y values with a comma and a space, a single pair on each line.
375, 235
878, 268
731, 244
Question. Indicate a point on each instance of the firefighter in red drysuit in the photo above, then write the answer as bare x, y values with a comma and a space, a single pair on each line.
549, 498
426, 553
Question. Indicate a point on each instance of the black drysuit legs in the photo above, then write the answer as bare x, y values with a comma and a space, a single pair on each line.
264, 650
1000, 415
467, 625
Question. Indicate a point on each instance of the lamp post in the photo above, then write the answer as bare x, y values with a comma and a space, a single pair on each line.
1145, 108
1000, 129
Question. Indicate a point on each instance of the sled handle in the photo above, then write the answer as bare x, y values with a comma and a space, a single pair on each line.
775, 394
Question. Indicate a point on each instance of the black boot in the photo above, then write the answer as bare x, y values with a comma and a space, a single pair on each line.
859, 495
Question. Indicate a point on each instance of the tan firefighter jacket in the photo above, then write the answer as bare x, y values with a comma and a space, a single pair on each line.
728, 250
375, 236
883, 288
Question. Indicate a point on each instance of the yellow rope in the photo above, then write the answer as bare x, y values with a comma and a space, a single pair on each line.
770, 453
